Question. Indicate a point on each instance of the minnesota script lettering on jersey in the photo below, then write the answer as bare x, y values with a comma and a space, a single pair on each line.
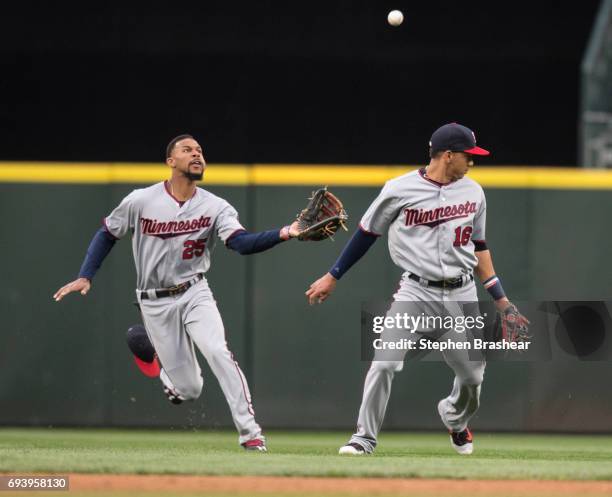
434, 217
168, 229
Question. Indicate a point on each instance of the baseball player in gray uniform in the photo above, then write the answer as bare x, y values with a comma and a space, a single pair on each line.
435, 221
174, 226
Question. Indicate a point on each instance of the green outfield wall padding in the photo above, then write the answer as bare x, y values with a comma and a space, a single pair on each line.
67, 363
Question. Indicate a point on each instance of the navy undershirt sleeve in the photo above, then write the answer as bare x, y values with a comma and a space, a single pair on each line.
354, 250
100, 246
480, 245
246, 243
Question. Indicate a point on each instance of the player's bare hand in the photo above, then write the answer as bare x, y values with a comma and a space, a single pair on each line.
502, 304
293, 229
290, 231
321, 289
81, 285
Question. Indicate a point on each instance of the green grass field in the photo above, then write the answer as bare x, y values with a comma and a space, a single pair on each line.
496, 456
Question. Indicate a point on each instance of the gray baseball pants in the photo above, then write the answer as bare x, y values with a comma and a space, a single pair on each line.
460, 405
174, 325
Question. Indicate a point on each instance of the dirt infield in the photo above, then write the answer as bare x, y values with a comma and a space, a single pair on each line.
371, 486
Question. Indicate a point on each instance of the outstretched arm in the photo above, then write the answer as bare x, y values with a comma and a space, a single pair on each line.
246, 243
354, 250
100, 246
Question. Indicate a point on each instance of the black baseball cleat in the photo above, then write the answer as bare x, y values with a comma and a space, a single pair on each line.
256, 444
462, 441
352, 449
143, 350
173, 397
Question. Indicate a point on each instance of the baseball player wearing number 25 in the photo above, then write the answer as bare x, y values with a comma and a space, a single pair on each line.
435, 220
174, 226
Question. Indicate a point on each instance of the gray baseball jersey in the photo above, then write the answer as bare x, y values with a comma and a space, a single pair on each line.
432, 227
171, 243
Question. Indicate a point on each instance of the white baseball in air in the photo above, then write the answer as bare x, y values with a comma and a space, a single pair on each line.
395, 17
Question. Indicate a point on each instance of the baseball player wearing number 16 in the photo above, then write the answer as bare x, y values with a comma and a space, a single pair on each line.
174, 226
435, 221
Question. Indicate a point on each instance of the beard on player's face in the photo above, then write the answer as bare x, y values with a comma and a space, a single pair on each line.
193, 176
185, 168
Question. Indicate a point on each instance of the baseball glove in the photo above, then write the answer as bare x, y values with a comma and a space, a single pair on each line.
512, 325
322, 217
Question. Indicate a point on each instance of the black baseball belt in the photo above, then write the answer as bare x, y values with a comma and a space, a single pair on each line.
451, 284
173, 290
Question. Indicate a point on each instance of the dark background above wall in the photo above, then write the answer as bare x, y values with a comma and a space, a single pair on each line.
326, 82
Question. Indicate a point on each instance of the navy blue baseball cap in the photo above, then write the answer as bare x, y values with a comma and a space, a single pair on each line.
456, 138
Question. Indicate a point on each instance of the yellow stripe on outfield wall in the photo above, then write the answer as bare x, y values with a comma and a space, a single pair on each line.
95, 172
297, 174
300, 174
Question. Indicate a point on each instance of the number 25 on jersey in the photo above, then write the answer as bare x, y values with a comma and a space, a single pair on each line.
194, 248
